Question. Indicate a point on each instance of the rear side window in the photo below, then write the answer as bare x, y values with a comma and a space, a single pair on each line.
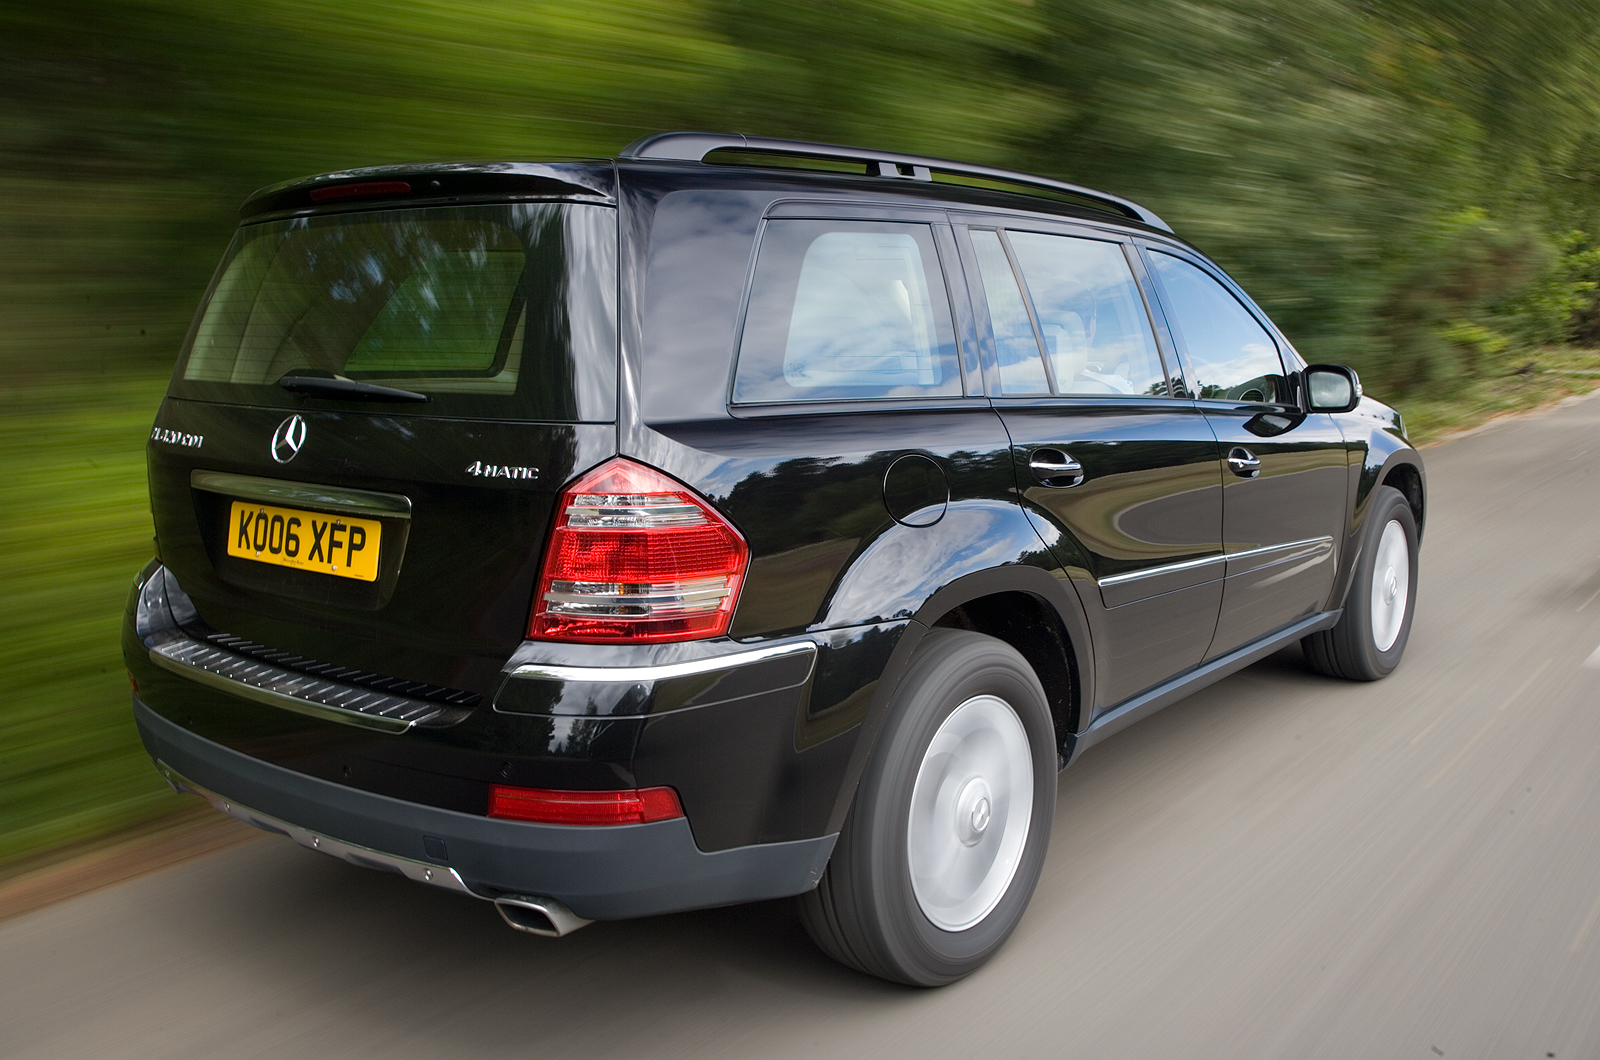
493, 311
1016, 346
1091, 317
846, 309
1091, 323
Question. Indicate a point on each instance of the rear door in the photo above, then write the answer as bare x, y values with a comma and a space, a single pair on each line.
1122, 473
1285, 475
383, 406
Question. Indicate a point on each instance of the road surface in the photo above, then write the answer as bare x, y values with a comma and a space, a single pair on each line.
1281, 866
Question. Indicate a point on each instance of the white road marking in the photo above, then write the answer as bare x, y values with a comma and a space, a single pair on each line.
1481, 732
1593, 661
1461, 753
1583, 932
1524, 686
1504, 704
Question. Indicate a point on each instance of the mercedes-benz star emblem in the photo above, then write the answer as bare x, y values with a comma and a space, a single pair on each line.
288, 438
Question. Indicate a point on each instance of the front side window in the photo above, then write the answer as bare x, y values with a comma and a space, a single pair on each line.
846, 309
1233, 357
498, 311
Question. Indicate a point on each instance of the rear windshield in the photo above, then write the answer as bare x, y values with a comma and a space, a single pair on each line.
493, 311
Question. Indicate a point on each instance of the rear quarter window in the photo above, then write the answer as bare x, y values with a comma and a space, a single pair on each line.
844, 310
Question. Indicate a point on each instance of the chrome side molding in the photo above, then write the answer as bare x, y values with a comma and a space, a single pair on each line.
1156, 572
1265, 555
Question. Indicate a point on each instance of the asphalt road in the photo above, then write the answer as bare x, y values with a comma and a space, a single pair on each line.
1281, 866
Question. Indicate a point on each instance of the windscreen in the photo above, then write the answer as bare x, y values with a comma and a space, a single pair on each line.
492, 311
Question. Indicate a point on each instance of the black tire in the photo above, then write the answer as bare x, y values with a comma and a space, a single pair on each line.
1353, 648
866, 912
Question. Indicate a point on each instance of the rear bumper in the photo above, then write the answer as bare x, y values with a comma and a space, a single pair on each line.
600, 873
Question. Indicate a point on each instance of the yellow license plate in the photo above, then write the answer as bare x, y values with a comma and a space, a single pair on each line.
328, 544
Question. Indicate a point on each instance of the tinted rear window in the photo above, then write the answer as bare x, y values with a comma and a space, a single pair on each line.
493, 311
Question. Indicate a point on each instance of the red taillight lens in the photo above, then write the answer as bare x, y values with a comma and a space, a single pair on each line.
637, 556
639, 806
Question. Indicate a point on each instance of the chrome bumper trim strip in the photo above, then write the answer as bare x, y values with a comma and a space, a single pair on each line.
647, 674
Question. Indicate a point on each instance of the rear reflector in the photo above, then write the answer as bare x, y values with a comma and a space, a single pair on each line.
637, 556
357, 191
638, 806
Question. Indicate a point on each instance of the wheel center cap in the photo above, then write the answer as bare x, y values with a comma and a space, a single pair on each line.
1391, 588
974, 811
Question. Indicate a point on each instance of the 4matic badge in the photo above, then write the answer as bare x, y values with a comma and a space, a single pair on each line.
482, 470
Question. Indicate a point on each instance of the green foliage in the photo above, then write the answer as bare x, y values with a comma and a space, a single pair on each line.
74, 529
1549, 310
1390, 178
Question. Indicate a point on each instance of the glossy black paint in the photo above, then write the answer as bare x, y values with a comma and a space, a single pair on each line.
601, 873
868, 524
1298, 494
1151, 498
450, 609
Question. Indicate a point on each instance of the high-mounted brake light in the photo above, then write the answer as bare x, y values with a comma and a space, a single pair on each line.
635, 806
360, 191
637, 556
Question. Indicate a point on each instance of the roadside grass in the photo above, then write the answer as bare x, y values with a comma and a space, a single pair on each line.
75, 527
1523, 383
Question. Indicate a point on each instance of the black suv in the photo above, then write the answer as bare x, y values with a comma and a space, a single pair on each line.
731, 520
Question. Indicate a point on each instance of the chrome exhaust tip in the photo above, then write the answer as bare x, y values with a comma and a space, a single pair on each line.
539, 916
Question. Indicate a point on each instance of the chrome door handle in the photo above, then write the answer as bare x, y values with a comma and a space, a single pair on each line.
1243, 462
1054, 468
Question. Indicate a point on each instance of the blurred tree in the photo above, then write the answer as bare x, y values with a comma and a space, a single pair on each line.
1315, 148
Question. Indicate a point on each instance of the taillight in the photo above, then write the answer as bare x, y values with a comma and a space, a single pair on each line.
637, 556
635, 806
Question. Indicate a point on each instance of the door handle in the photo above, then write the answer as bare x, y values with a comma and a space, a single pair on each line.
1243, 462
1054, 468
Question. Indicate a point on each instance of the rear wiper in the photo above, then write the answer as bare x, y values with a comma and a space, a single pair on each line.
346, 389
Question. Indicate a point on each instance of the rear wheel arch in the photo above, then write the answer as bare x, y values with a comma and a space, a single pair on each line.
976, 598
1035, 630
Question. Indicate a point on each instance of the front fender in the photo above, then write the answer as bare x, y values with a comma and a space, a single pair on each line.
1379, 453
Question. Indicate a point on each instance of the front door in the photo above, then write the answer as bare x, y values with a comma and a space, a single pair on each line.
1284, 472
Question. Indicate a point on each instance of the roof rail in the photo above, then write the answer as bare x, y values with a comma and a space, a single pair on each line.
695, 146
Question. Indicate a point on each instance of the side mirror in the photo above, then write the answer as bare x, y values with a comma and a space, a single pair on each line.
1331, 388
